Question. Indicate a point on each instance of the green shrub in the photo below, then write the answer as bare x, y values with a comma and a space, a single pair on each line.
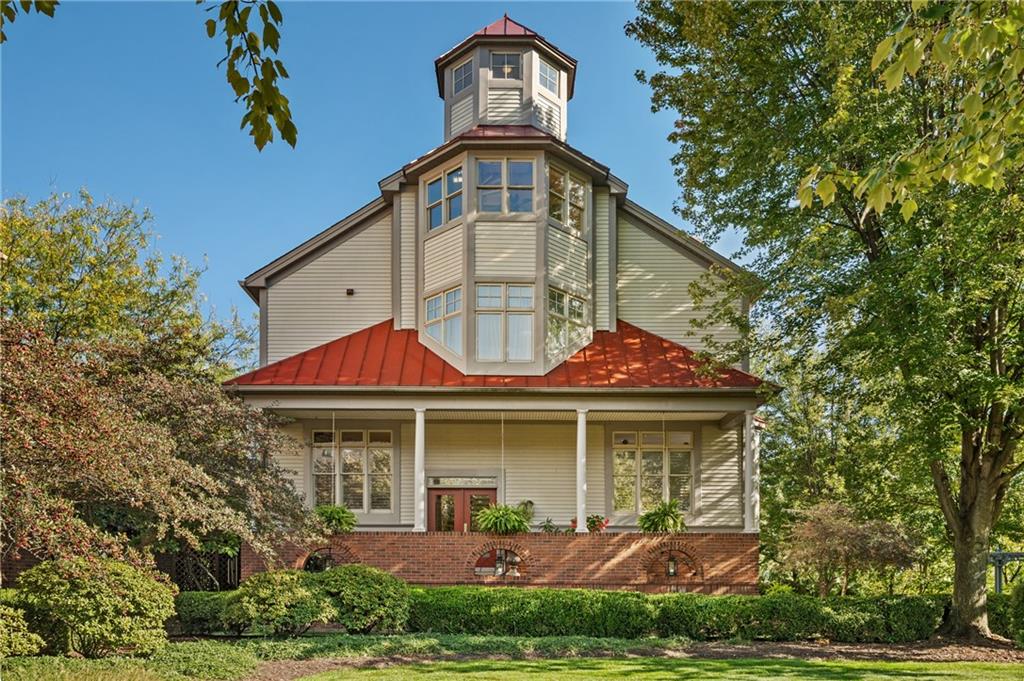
201, 613
501, 519
338, 519
96, 607
15, 638
365, 599
1017, 614
506, 611
665, 517
999, 614
282, 602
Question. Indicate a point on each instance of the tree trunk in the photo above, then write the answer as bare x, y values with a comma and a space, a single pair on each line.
969, 616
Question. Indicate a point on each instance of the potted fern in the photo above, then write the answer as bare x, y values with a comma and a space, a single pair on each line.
502, 519
665, 517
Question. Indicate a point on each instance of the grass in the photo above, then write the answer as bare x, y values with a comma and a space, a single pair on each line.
661, 668
581, 658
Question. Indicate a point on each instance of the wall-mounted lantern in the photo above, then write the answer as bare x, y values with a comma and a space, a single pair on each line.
673, 568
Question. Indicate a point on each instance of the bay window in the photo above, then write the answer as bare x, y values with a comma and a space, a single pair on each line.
566, 320
649, 468
357, 472
444, 198
566, 199
504, 185
504, 322
444, 319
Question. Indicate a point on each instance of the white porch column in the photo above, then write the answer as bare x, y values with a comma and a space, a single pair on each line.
419, 496
581, 471
751, 475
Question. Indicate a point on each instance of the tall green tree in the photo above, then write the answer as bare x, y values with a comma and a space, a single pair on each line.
929, 304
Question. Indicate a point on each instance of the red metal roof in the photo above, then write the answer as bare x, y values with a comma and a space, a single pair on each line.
505, 26
381, 356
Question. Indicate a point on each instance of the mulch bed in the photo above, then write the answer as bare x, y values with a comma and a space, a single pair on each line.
935, 650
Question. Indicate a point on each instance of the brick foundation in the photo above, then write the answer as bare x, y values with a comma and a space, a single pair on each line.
707, 562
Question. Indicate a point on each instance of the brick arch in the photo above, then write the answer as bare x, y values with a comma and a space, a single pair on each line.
689, 561
492, 544
341, 554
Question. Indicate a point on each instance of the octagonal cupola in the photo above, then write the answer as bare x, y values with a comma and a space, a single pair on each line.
505, 74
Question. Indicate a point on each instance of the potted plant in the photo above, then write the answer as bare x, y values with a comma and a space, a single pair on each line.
665, 517
595, 523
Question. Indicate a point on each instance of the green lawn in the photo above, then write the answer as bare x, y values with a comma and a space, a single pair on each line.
662, 668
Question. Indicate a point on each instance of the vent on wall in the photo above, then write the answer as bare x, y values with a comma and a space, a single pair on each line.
505, 106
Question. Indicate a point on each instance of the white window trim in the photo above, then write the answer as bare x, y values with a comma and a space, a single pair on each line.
540, 77
503, 311
490, 66
638, 449
445, 202
571, 325
505, 185
445, 315
567, 177
455, 88
365, 445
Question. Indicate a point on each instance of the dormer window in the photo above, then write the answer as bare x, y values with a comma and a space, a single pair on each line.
549, 77
444, 319
462, 77
566, 199
444, 198
504, 186
507, 65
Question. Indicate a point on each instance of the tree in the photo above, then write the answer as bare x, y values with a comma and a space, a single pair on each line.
250, 55
929, 305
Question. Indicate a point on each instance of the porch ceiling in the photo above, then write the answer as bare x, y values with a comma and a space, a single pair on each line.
495, 415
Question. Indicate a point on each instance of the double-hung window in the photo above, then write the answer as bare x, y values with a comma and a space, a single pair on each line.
504, 322
566, 199
356, 472
549, 77
444, 319
507, 65
462, 77
567, 316
444, 198
504, 185
649, 468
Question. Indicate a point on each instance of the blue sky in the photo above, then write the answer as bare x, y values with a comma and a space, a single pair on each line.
124, 99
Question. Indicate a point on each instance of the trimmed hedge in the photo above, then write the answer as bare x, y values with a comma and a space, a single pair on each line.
365, 599
283, 603
531, 612
201, 613
1016, 628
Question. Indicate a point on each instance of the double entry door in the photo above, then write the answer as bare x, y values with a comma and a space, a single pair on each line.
454, 510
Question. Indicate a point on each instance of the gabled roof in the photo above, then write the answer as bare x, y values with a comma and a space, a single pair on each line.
503, 29
381, 356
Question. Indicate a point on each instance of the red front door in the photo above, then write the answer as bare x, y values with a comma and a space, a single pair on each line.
454, 510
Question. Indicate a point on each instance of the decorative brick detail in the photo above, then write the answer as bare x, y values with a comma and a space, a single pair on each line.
708, 562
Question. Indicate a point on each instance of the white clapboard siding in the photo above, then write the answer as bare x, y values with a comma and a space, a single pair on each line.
721, 486
408, 257
308, 307
548, 115
506, 250
602, 255
461, 116
567, 259
294, 458
442, 259
540, 463
505, 106
653, 289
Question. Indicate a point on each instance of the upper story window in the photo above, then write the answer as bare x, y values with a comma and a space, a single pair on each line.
444, 198
504, 185
504, 322
567, 317
548, 77
359, 474
462, 77
651, 467
507, 65
566, 199
444, 319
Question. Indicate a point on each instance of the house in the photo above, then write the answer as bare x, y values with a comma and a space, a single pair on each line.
502, 324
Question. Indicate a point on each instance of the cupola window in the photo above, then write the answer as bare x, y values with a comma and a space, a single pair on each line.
549, 77
504, 186
462, 77
444, 198
507, 65
566, 199
444, 319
